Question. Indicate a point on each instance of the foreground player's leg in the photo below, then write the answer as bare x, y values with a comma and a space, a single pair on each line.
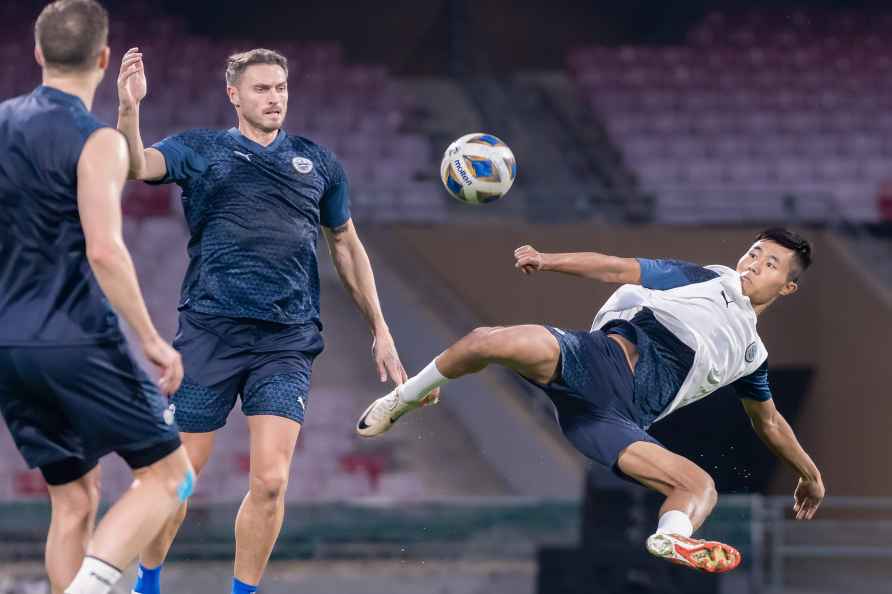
157, 491
73, 517
260, 516
529, 350
199, 447
690, 497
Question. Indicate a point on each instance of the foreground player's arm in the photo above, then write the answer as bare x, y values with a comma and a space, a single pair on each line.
101, 173
145, 164
601, 267
355, 269
776, 433
660, 274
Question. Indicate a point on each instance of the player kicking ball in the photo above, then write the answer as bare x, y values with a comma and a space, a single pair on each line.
672, 334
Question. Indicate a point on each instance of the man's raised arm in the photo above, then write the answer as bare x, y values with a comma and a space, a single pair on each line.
145, 164
607, 269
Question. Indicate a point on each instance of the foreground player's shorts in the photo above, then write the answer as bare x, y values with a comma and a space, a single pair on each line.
267, 363
594, 396
68, 406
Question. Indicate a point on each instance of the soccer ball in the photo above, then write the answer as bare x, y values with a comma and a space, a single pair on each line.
478, 168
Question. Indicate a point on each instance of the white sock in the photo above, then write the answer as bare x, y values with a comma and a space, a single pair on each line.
95, 577
419, 385
675, 522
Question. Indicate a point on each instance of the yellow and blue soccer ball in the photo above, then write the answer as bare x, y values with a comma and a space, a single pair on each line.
478, 168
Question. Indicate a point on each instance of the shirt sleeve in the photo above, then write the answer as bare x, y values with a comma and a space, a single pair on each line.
334, 207
182, 162
755, 385
669, 274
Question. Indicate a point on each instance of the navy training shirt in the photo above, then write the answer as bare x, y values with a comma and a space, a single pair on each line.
254, 214
48, 295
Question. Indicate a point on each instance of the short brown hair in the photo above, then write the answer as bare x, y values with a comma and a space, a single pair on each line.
237, 63
71, 33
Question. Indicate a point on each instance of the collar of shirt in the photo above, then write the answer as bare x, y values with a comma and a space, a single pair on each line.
253, 146
60, 96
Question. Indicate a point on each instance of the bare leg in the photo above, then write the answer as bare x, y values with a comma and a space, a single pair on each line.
74, 507
139, 514
687, 487
690, 498
199, 447
529, 350
533, 352
262, 511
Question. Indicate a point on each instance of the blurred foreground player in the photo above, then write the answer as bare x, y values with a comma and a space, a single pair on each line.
672, 334
70, 391
254, 198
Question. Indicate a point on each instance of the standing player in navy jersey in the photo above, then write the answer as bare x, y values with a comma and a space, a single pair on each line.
254, 199
672, 334
70, 391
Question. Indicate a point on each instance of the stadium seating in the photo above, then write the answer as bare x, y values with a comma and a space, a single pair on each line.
759, 115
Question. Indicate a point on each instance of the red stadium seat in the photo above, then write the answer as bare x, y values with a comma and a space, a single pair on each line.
29, 483
371, 465
884, 202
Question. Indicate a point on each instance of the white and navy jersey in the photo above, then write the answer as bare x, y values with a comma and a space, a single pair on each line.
702, 309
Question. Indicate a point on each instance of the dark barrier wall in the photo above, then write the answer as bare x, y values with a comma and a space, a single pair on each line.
494, 37
489, 36
482, 36
838, 324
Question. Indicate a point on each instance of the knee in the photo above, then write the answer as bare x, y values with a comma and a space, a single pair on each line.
174, 474
707, 491
269, 486
480, 340
77, 503
700, 486
480, 333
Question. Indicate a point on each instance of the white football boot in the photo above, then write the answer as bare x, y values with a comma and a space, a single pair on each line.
383, 412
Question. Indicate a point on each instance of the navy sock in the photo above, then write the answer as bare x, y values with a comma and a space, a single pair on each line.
240, 587
148, 581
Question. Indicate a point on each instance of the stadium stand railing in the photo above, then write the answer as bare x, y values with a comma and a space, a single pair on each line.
846, 547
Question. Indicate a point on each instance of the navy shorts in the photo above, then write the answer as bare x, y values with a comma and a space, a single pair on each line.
266, 363
594, 396
68, 406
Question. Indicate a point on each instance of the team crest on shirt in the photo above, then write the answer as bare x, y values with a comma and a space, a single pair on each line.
302, 165
750, 354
